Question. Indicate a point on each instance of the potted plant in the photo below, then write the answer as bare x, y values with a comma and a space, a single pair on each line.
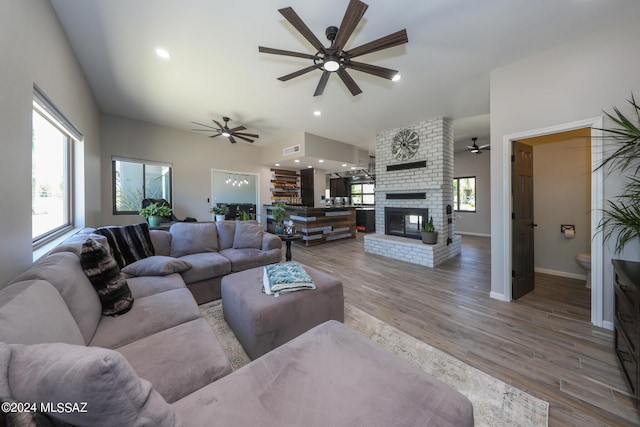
278, 212
220, 212
244, 216
429, 233
154, 213
622, 214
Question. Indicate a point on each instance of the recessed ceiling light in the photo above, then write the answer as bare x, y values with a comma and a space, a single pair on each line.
344, 165
317, 113
163, 53
297, 160
309, 166
396, 77
277, 164
320, 161
353, 168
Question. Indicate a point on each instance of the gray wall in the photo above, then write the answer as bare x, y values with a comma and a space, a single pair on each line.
192, 156
478, 165
571, 82
34, 49
562, 195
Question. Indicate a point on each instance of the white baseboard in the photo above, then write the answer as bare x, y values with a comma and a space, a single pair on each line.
607, 325
498, 296
561, 273
469, 233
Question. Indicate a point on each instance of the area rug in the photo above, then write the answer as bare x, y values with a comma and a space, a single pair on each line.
495, 403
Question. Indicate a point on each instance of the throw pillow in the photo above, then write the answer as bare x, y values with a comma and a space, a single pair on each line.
156, 265
128, 243
101, 378
248, 235
106, 277
193, 238
226, 232
29, 417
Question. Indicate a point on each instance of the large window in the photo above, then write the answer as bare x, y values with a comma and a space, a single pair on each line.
52, 139
363, 194
464, 194
134, 180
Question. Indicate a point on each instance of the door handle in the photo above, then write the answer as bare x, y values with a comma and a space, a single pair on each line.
533, 225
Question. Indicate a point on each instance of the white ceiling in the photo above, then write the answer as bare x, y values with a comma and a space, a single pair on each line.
216, 69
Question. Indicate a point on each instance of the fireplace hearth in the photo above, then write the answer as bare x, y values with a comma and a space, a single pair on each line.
405, 222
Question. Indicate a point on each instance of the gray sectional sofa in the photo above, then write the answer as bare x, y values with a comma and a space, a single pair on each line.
160, 364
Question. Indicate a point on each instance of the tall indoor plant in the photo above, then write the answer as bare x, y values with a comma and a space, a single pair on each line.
622, 215
278, 212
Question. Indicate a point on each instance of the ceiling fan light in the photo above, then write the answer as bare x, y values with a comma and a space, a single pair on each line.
226, 133
331, 65
396, 77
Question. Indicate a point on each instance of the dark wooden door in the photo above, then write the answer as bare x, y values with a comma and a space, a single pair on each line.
306, 187
522, 218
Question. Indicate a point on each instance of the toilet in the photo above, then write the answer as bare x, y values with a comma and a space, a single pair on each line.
584, 260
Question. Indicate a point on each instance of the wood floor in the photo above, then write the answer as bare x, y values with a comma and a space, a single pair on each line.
542, 343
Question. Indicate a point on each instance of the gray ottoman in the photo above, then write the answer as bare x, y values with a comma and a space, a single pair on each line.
263, 322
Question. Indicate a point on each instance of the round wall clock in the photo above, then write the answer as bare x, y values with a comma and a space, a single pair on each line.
405, 144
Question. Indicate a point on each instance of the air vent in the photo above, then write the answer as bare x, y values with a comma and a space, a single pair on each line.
291, 150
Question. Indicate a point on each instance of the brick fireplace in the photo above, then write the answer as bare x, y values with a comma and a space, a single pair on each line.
423, 182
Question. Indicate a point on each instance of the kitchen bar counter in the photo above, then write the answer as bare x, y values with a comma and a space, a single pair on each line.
319, 225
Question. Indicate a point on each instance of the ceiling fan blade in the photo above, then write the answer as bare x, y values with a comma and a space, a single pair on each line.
349, 82
293, 18
213, 136
322, 83
207, 126
485, 147
386, 73
233, 141
395, 39
237, 129
250, 135
218, 123
299, 72
243, 138
287, 53
353, 15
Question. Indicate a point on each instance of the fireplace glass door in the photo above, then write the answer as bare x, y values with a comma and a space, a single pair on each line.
405, 222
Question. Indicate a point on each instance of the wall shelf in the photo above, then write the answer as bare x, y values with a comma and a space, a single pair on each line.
285, 186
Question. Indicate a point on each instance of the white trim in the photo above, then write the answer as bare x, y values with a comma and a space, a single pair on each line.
597, 203
469, 233
607, 325
498, 296
561, 273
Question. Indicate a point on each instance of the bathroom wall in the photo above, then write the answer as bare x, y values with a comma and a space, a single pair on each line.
562, 195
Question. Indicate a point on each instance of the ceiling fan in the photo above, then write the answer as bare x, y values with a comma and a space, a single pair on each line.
334, 58
225, 131
477, 149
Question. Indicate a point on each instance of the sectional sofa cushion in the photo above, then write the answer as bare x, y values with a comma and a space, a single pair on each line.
147, 316
63, 271
205, 265
244, 259
329, 376
175, 374
193, 238
74, 243
248, 235
161, 240
143, 286
128, 243
107, 279
226, 234
33, 312
114, 394
156, 265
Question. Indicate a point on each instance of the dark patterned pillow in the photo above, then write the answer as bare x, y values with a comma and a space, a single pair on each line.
105, 276
128, 243
25, 418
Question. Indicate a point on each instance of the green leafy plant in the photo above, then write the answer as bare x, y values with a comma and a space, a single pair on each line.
278, 212
428, 227
220, 210
155, 210
622, 215
244, 216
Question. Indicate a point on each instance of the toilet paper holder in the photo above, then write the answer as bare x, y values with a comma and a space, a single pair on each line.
565, 227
